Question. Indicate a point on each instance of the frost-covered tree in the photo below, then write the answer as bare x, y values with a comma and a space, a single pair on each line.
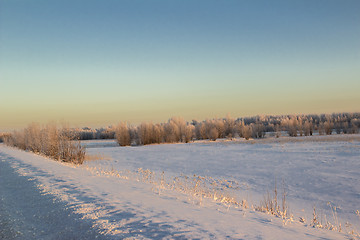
158, 133
307, 128
56, 143
277, 130
230, 128
246, 131
33, 137
290, 125
321, 128
337, 126
213, 133
122, 134
355, 126
203, 131
172, 132
146, 133
258, 130
189, 133
328, 127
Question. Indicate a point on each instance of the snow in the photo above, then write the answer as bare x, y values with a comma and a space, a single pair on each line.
108, 197
27, 213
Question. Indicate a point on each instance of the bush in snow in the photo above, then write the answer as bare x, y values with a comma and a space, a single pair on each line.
189, 133
50, 141
123, 135
246, 132
258, 130
328, 127
3, 136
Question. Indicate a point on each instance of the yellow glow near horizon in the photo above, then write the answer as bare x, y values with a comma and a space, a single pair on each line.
104, 114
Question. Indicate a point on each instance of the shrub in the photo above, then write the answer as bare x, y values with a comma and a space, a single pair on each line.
321, 129
3, 136
230, 128
158, 132
292, 127
307, 126
246, 131
328, 127
258, 130
123, 135
354, 126
146, 133
49, 141
173, 130
213, 134
189, 133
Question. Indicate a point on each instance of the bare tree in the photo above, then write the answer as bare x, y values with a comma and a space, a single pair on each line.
355, 126
203, 131
172, 132
122, 134
290, 125
158, 133
321, 129
230, 128
189, 133
337, 126
328, 127
246, 131
258, 130
213, 133
307, 126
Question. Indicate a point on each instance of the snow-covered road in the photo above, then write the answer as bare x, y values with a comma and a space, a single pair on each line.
28, 213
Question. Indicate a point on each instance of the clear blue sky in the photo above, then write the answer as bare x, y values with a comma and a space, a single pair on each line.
98, 62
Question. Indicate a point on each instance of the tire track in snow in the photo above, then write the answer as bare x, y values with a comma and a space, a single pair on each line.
26, 213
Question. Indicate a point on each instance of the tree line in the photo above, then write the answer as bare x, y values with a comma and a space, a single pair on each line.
178, 130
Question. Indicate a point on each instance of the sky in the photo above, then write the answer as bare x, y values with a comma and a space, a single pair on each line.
95, 62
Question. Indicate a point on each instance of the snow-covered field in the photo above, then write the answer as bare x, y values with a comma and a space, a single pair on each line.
119, 201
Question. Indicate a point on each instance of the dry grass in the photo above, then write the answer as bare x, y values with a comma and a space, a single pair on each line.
196, 187
271, 205
334, 224
200, 189
95, 157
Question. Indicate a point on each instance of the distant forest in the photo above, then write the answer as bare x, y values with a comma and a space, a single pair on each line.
178, 130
